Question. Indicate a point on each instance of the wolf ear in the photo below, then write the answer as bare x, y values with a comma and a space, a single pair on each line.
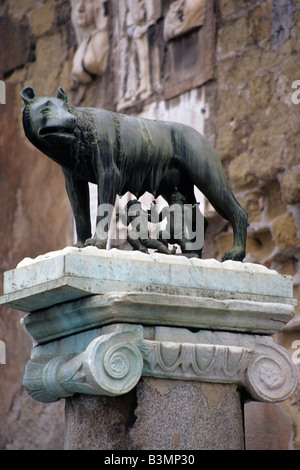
61, 95
28, 94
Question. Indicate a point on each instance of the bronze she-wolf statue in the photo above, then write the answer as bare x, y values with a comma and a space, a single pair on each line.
123, 153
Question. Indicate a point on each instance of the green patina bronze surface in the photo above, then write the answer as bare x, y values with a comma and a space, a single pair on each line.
123, 153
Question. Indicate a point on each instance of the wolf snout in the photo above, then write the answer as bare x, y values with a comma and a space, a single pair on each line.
71, 121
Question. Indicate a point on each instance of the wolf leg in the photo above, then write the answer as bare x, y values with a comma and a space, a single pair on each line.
216, 189
230, 209
78, 193
108, 182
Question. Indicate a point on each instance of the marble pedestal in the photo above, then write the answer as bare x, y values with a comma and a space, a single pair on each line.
160, 333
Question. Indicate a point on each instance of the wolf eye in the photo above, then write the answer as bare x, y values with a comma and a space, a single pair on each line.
45, 110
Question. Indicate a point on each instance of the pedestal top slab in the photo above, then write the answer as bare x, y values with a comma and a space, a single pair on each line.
74, 273
94, 316
74, 289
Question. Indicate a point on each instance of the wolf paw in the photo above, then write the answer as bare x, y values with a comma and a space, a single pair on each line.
235, 254
101, 244
79, 244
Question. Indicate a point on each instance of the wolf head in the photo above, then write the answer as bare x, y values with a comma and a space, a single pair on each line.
48, 121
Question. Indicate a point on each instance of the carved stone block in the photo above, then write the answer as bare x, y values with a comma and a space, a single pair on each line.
163, 49
94, 316
183, 16
89, 20
110, 361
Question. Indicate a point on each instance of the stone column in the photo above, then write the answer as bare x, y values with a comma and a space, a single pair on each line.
158, 414
152, 352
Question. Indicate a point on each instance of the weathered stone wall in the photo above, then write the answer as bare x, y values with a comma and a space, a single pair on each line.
255, 126
34, 216
229, 74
